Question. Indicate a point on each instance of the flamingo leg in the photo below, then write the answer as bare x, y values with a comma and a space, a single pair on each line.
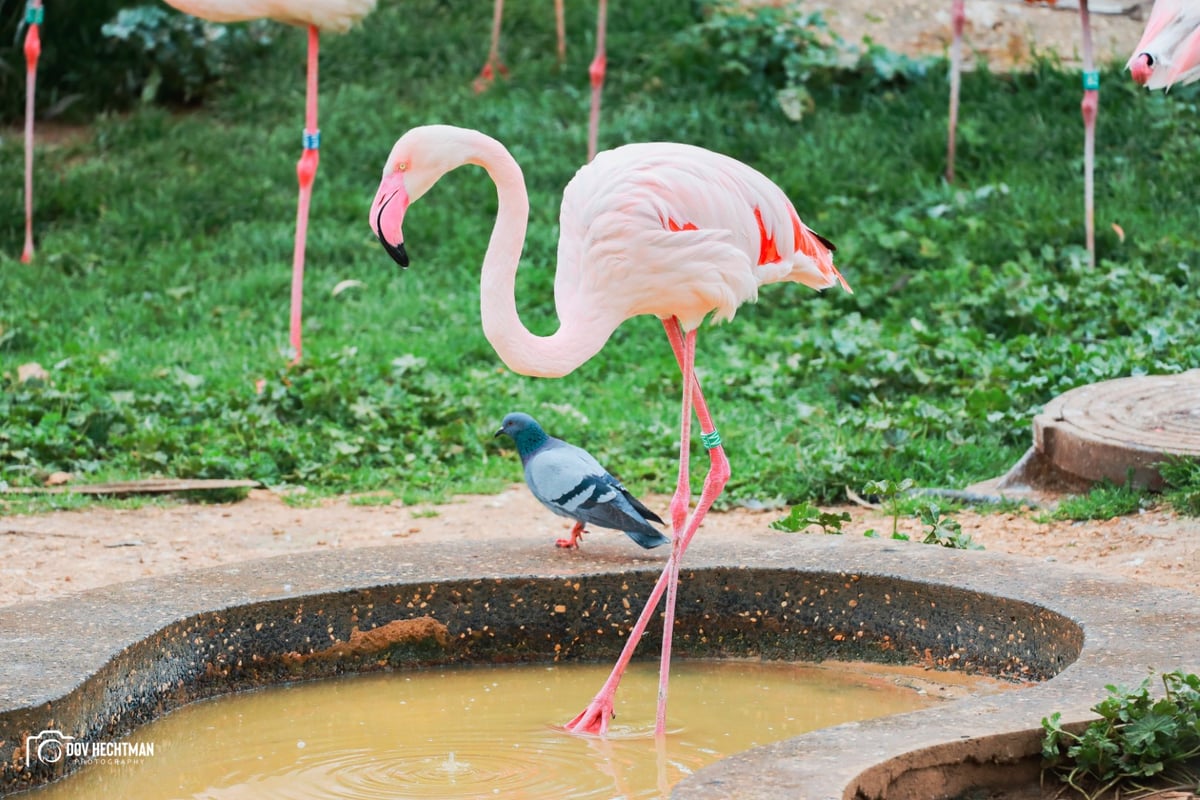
33, 50
596, 73
560, 28
1090, 107
492, 66
686, 355
957, 18
684, 347
306, 173
594, 719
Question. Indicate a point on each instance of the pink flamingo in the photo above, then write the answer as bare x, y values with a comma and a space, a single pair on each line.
1089, 107
665, 229
34, 14
1169, 50
596, 70
316, 15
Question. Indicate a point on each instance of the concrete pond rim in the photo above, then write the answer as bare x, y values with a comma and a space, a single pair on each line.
98, 664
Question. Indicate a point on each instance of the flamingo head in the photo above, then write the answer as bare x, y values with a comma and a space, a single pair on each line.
418, 159
1141, 66
387, 214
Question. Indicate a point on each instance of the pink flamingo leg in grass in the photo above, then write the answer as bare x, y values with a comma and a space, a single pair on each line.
594, 719
1090, 108
560, 29
596, 74
492, 65
957, 18
33, 50
306, 172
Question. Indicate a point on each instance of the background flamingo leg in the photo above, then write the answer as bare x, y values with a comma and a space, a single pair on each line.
596, 73
1090, 108
33, 50
492, 66
306, 173
560, 28
957, 19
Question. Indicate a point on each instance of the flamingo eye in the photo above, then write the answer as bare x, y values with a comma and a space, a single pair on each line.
402, 166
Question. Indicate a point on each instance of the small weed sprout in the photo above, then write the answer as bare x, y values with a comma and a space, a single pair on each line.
943, 530
805, 515
889, 493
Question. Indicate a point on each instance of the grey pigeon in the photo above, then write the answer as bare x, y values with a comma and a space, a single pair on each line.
569, 482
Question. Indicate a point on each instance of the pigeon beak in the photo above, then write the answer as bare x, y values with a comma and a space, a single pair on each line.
391, 201
498, 433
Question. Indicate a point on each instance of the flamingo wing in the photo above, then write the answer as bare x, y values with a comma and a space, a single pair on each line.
682, 232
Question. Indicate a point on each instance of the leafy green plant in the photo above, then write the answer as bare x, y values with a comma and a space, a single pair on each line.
771, 50
944, 530
176, 57
806, 515
1137, 739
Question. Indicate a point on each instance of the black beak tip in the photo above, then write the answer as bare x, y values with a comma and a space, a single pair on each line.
396, 251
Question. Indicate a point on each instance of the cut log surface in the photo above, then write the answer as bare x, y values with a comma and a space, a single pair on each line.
1120, 428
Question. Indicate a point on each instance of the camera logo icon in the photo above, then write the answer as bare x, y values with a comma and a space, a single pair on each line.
48, 747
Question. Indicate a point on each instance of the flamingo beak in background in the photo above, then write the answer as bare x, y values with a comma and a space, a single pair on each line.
387, 213
1141, 66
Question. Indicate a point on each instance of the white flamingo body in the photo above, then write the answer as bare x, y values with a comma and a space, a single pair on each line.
328, 15
666, 229
1169, 50
674, 231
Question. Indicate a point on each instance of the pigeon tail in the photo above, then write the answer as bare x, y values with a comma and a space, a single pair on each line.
648, 539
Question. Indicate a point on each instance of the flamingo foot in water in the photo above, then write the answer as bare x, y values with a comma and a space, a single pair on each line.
573, 542
593, 720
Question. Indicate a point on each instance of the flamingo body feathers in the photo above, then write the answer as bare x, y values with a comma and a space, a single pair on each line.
328, 15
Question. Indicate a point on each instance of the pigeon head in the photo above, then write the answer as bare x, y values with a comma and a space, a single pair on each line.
525, 432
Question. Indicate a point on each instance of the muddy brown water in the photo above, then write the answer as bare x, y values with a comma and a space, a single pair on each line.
489, 732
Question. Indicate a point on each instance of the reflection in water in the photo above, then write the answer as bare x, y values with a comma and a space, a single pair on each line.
480, 732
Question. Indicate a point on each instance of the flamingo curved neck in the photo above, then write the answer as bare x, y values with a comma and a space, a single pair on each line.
522, 351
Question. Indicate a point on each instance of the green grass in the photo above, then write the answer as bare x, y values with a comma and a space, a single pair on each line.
159, 292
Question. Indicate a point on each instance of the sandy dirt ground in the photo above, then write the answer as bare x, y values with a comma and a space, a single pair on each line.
56, 554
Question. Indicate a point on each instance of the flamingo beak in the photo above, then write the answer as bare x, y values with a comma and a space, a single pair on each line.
387, 212
1141, 66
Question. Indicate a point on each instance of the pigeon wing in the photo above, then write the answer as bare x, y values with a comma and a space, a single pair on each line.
571, 483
